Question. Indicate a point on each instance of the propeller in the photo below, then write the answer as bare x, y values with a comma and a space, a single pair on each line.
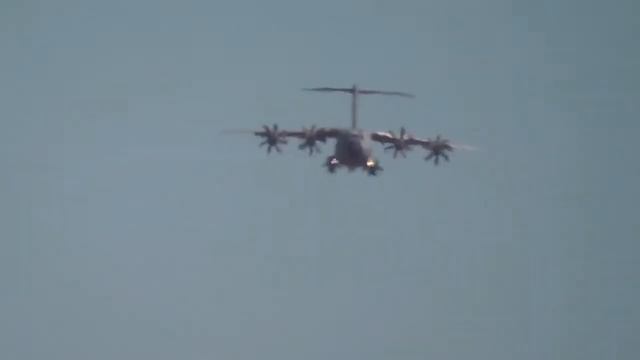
273, 138
399, 143
310, 140
438, 148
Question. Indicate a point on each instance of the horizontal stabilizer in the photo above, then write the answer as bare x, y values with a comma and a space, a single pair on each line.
353, 90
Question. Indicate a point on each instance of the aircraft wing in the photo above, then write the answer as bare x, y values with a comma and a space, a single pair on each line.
385, 137
437, 147
274, 137
320, 134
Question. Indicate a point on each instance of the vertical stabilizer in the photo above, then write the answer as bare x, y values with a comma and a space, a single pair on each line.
354, 108
355, 92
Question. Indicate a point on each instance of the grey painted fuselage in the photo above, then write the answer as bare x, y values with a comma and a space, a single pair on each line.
353, 150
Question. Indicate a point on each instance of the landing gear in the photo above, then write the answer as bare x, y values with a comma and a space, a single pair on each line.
374, 171
331, 163
373, 167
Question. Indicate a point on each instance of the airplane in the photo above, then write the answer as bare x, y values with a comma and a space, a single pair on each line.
353, 145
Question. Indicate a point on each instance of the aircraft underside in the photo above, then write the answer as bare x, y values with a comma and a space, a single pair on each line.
351, 152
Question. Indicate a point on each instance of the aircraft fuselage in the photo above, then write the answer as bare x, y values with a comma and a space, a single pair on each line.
353, 150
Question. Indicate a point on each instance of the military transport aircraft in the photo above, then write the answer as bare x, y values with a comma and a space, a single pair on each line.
353, 146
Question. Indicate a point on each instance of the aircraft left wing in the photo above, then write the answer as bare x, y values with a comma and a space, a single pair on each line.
388, 137
437, 147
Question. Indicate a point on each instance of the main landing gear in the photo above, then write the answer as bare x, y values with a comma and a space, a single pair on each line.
372, 168
331, 163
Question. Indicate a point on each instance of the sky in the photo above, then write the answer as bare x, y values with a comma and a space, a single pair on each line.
130, 228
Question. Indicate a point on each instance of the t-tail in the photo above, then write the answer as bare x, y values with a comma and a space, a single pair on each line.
355, 91
354, 107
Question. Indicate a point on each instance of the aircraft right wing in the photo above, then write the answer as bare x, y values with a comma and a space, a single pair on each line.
273, 137
317, 133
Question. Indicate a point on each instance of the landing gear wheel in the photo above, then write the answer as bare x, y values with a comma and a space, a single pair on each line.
373, 167
373, 171
331, 164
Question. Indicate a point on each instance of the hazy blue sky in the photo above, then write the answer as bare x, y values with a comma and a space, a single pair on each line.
131, 229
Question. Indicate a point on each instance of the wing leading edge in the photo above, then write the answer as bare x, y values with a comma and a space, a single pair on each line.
437, 147
274, 137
